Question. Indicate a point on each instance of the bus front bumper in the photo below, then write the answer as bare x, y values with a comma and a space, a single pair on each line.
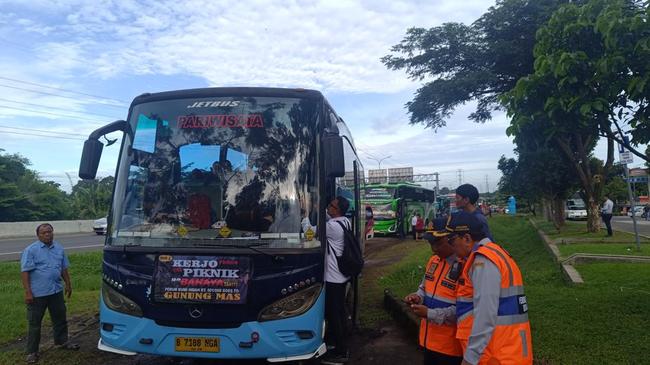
279, 340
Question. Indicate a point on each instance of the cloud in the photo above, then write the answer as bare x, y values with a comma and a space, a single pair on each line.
327, 45
333, 46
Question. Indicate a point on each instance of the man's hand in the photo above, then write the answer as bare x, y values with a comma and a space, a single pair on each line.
413, 298
29, 298
465, 363
419, 310
68, 291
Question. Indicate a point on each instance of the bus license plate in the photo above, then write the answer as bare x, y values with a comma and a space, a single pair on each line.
197, 344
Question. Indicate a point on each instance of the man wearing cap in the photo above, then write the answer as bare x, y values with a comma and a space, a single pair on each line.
466, 198
491, 308
435, 301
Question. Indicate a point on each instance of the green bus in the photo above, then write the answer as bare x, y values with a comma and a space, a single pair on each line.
393, 206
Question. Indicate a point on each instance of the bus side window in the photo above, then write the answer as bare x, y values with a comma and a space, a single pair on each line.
345, 185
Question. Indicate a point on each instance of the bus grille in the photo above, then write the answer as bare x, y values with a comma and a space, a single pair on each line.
182, 324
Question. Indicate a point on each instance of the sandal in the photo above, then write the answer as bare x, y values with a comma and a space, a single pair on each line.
32, 358
68, 346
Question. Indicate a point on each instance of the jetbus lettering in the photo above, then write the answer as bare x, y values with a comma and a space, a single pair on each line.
212, 104
211, 273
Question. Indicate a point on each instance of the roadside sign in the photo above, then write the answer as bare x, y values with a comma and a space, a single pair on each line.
625, 157
638, 179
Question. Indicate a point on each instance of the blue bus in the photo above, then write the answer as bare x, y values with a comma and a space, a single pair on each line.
216, 239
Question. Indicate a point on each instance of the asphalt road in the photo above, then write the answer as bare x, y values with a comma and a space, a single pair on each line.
10, 248
624, 223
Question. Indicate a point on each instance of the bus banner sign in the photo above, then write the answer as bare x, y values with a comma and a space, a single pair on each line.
204, 279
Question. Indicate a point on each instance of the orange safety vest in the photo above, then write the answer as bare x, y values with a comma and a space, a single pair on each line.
440, 292
511, 341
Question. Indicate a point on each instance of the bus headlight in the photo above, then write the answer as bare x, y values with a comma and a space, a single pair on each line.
291, 306
118, 302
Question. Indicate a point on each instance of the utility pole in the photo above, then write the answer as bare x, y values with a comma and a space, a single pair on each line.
437, 180
435, 197
625, 158
487, 184
460, 177
631, 197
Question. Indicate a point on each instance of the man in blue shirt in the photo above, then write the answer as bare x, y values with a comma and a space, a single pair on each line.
43, 264
466, 198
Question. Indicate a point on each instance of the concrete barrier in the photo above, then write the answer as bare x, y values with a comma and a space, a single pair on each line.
28, 229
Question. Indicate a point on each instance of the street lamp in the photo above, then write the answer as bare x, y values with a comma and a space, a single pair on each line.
379, 160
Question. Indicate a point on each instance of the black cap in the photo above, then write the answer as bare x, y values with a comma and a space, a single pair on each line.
464, 222
438, 230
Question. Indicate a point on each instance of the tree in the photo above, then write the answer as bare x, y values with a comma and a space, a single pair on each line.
477, 62
444, 190
91, 199
577, 92
24, 197
540, 173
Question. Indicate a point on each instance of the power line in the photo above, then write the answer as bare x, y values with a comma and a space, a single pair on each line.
40, 135
61, 89
41, 130
120, 106
49, 113
53, 107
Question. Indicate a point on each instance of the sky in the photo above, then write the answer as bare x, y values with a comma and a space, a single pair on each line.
69, 67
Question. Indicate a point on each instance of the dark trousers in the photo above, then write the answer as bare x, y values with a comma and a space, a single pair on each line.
336, 317
414, 231
56, 306
607, 218
436, 358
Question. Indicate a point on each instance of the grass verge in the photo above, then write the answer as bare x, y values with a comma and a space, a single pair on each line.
599, 322
626, 249
577, 230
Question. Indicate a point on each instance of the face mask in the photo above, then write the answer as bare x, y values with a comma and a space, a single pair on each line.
327, 215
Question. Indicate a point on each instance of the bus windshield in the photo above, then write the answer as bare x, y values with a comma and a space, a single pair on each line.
218, 171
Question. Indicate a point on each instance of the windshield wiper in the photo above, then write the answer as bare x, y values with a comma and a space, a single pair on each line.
275, 258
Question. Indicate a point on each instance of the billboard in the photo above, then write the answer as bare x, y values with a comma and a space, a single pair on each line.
400, 174
377, 176
348, 178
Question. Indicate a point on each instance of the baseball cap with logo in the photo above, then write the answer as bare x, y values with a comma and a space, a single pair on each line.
438, 230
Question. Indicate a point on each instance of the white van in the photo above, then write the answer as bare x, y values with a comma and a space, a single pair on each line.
575, 209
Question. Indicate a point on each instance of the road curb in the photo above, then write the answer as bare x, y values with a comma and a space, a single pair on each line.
569, 272
401, 313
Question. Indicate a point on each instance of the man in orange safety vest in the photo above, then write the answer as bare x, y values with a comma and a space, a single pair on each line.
435, 301
491, 308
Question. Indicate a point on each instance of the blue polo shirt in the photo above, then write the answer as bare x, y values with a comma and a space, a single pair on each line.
44, 264
481, 218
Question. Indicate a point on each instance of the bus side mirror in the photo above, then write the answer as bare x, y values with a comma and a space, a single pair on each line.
90, 159
333, 153
92, 151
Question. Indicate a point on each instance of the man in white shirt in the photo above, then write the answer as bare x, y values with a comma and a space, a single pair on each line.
414, 222
335, 283
606, 213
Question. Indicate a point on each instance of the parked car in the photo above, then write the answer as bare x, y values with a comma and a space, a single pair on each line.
575, 209
638, 211
100, 226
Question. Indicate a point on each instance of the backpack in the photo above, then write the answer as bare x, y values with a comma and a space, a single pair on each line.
351, 261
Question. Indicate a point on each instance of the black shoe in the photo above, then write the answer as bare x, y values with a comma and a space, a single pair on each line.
334, 358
